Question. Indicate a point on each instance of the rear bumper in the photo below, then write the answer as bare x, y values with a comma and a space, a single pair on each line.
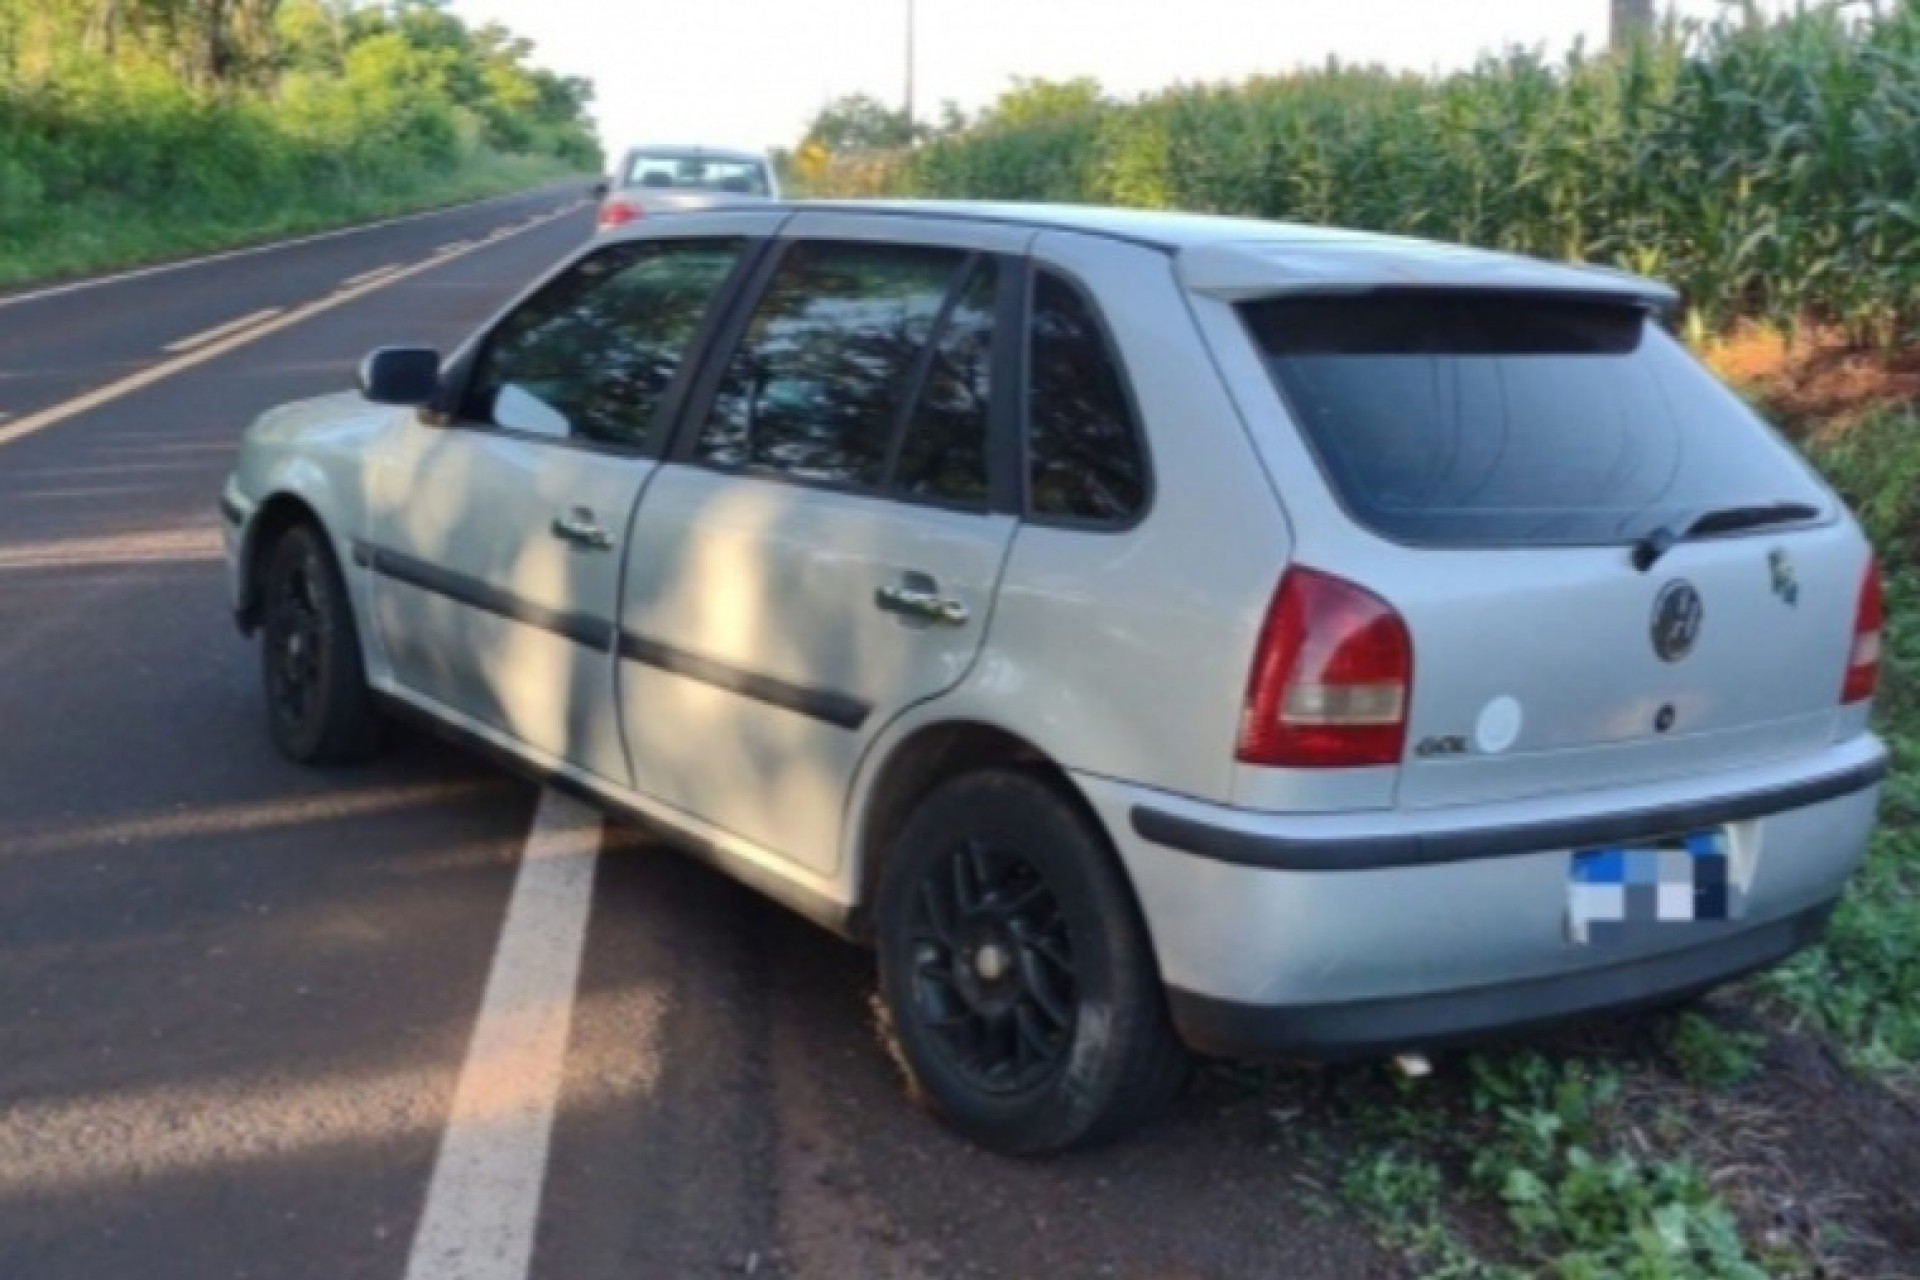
1335, 934
1432, 1020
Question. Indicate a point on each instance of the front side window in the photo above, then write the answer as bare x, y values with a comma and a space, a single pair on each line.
815, 386
1084, 459
1458, 418
591, 356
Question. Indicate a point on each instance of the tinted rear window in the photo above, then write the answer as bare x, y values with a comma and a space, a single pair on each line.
690, 171
1453, 419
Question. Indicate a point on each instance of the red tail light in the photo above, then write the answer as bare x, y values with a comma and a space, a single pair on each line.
617, 213
1863, 662
1331, 679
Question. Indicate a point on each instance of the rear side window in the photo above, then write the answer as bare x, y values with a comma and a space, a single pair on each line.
1084, 460
814, 389
1449, 419
943, 455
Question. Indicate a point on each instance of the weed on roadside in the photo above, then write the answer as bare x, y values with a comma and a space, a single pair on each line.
1706, 1054
1645, 1148
1861, 986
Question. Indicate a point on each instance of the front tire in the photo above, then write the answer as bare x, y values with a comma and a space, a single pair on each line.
1023, 996
319, 709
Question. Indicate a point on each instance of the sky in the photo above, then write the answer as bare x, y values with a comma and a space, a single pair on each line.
753, 72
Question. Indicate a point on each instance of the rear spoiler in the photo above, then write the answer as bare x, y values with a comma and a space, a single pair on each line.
1241, 271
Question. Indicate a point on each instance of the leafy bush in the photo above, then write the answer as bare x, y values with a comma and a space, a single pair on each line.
116, 150
1862, 984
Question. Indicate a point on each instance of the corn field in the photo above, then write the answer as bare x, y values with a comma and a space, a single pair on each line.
1771, 170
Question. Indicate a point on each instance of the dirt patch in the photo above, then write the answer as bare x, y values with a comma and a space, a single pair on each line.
1843, 1153
1814, 380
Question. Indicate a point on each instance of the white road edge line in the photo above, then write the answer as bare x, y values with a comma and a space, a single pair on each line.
58, 413
164, 267
374, 274
214, 334
484, 1199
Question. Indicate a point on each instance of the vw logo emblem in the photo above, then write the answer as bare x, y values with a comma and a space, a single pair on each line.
1677, 613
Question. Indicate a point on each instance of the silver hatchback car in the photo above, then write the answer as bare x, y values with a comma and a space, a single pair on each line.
661, 178
1152, 633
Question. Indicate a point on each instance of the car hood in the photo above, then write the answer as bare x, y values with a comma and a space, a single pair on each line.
332, 419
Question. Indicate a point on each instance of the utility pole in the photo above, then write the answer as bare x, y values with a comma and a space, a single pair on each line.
909, 108
1632, 19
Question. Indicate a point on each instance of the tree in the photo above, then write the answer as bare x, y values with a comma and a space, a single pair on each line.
859, 122
1632, 19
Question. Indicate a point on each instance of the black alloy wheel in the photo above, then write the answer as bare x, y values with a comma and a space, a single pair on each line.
1019, 983
993, 967
319, 709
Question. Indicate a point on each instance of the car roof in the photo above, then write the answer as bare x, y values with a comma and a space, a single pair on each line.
695, 149
1237, 258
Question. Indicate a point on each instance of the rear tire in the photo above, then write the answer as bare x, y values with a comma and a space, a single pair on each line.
1023, 996
319, 709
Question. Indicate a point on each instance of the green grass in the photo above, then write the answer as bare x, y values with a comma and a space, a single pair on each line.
146, 145
1578, 1199
1861, 987
1530, 1162
1706, 1054
103, 233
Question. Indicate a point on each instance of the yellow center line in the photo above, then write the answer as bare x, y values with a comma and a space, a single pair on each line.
374, 274
40, 421
214, 334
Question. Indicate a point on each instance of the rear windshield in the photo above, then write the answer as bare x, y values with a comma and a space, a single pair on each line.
1451, 419
686, 171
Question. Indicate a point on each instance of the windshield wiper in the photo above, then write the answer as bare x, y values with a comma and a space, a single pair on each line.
1650, 546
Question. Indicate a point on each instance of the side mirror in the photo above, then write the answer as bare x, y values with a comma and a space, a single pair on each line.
601, 188
405, 376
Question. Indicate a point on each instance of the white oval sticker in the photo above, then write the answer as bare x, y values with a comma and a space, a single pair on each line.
1499, 725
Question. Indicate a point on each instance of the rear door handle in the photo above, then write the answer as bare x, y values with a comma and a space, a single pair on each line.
922, 603
581, 529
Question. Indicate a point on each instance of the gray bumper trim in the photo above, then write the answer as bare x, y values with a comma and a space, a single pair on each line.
1415, 849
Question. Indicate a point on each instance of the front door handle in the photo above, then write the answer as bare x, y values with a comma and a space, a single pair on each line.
581, 529
922, 603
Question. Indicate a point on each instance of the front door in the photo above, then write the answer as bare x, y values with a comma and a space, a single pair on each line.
496, 541
824, 548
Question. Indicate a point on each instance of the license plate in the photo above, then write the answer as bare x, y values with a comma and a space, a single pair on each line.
1621, 892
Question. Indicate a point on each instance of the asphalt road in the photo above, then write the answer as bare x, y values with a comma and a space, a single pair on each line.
239, 1001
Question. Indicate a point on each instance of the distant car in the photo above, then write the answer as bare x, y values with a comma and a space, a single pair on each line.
1151, 632
656, 179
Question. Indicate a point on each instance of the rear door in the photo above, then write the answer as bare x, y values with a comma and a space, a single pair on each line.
497, 537
1611, 571
823, 549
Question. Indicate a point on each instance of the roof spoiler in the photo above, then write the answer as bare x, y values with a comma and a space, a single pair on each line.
1242, 271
